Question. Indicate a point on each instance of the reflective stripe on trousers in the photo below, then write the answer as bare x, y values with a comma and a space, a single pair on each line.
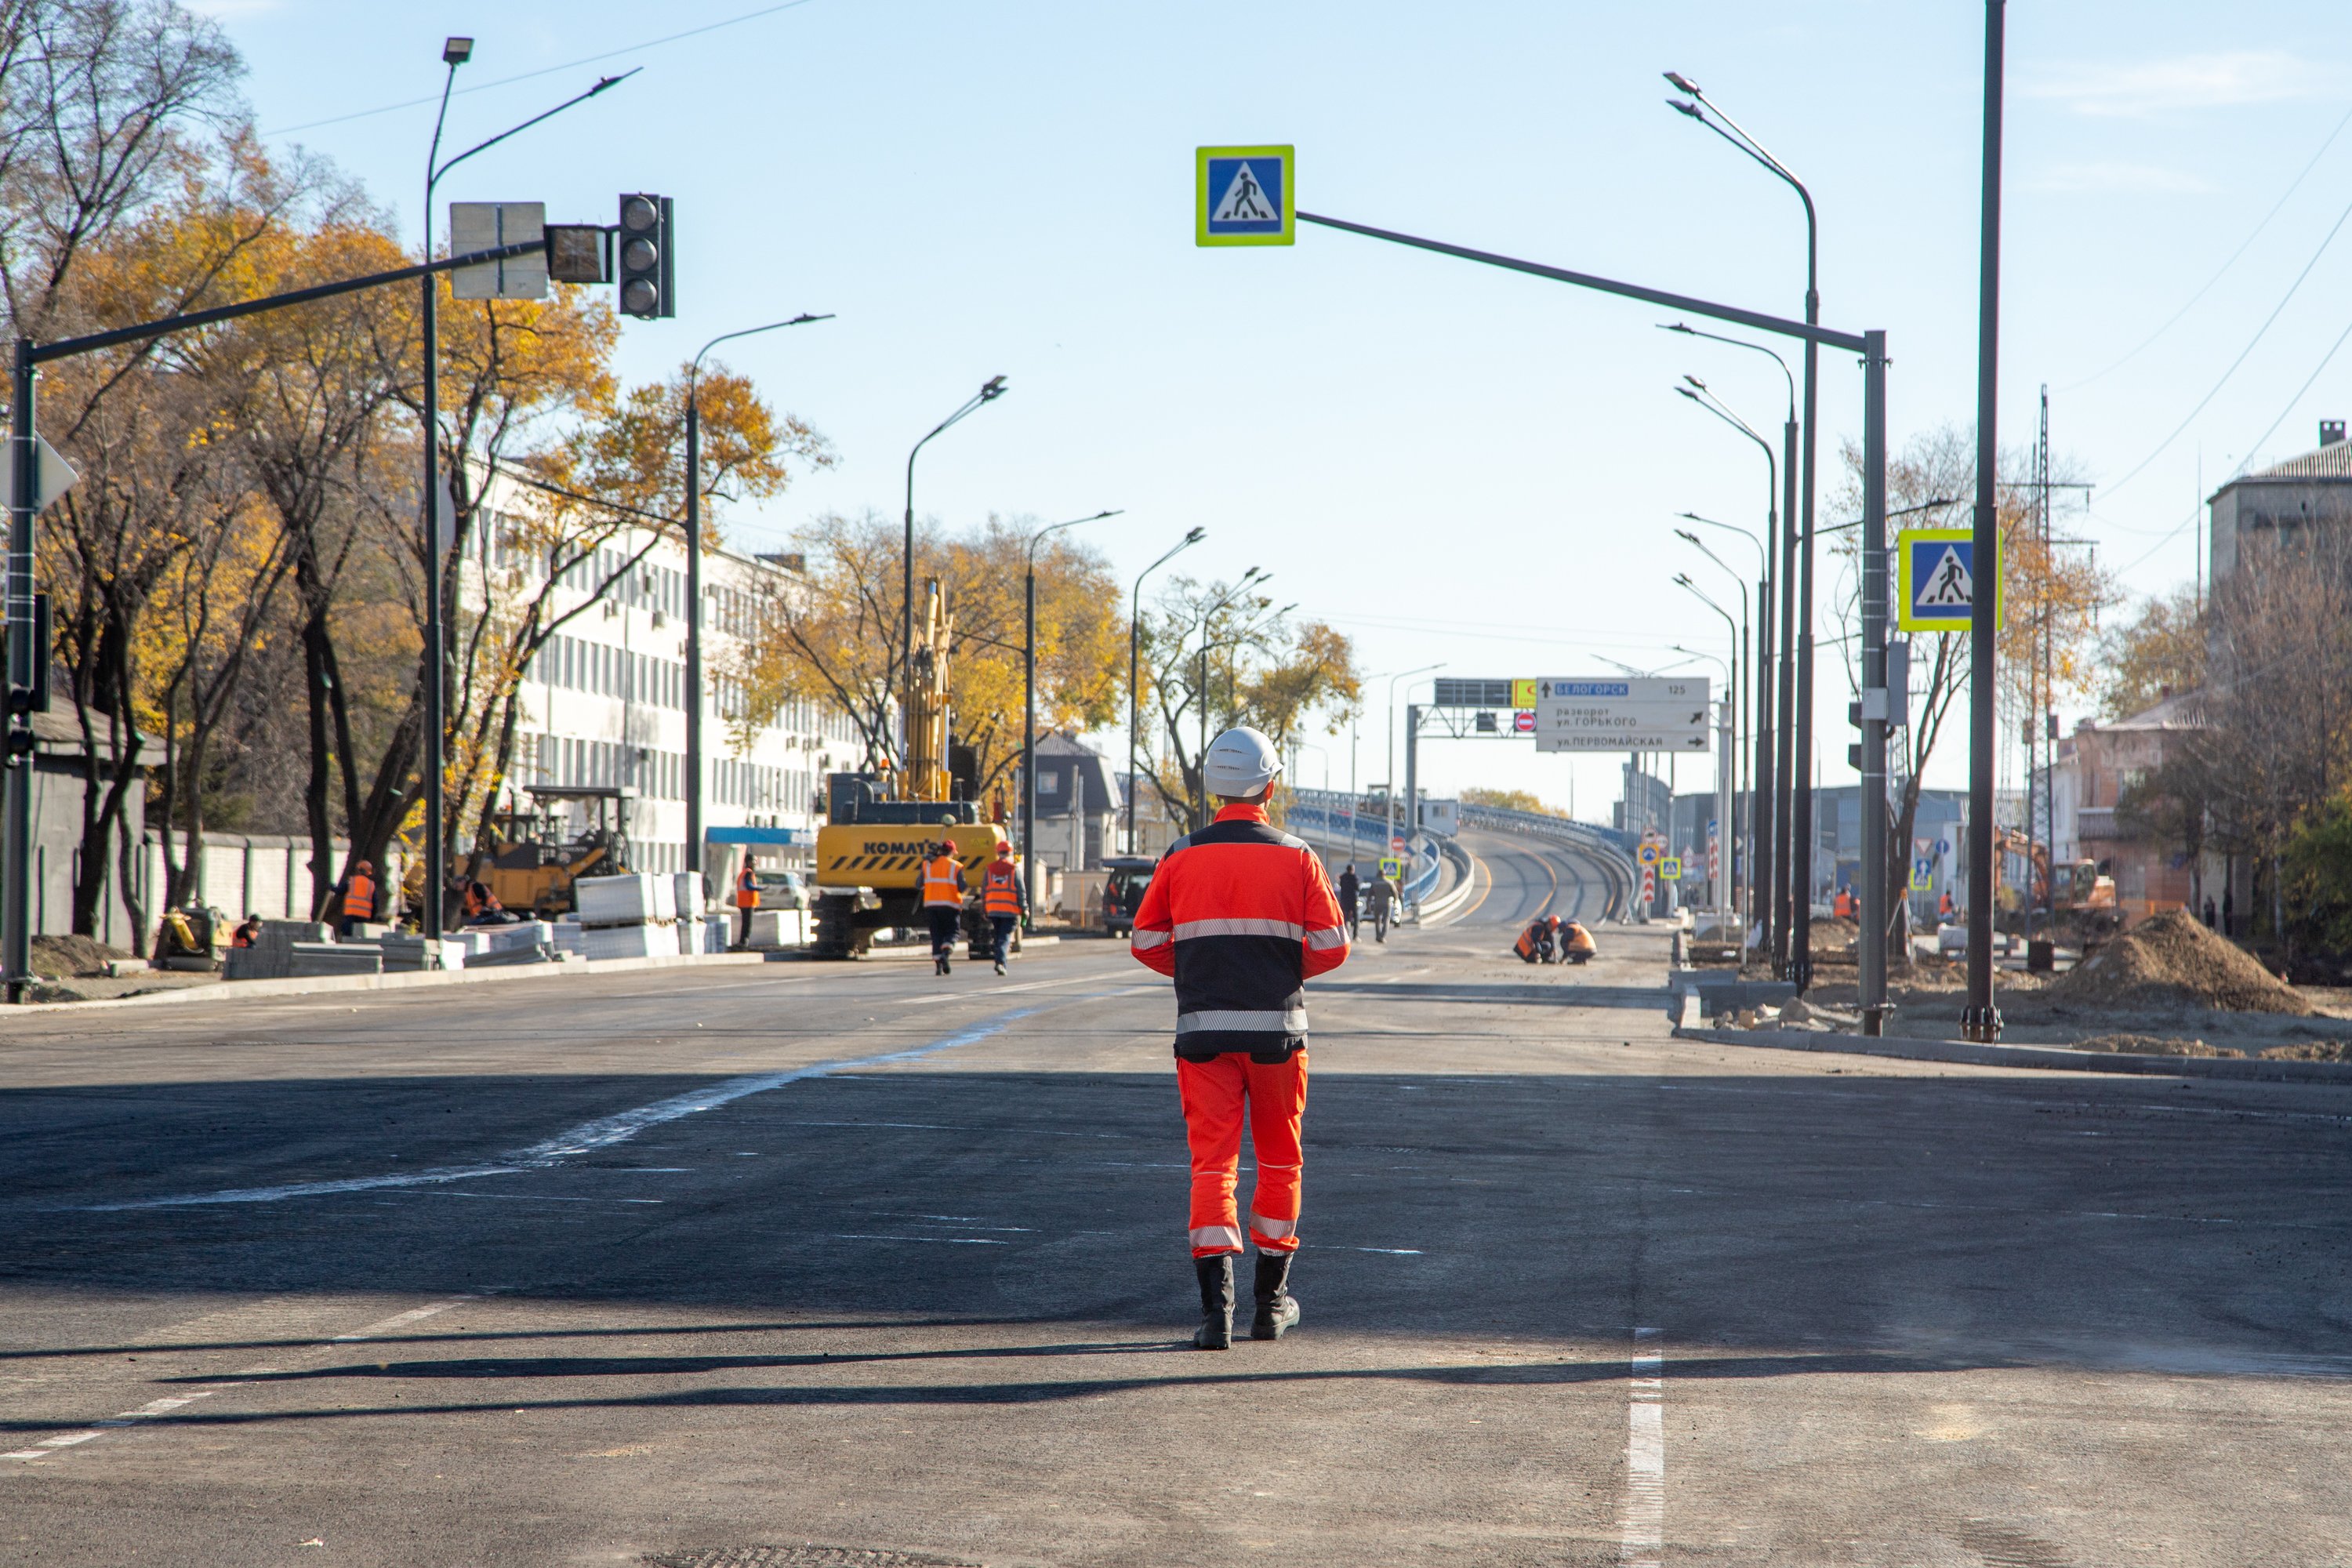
1213, 1093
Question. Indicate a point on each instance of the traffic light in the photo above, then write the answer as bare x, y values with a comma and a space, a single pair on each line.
646, 265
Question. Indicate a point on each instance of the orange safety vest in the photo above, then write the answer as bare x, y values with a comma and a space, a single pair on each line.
747, 889
1000, 893
1574, 937
1525, 946
939, 886
359, 898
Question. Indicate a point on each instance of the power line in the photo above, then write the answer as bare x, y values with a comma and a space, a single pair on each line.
2175, 319
2267, 320
547, 70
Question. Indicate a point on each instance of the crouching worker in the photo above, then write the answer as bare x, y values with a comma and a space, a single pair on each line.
1242, 915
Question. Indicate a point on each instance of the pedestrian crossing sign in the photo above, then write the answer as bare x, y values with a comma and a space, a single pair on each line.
1671, 868
1244, 196
1937, 580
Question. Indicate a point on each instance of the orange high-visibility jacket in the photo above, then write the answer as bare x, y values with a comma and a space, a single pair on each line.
1000, 893
1525, 946
359, 898
747, 888
1574, 937
1241, 916
942, 883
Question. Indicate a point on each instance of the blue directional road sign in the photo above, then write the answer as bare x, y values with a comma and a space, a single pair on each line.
1244, 196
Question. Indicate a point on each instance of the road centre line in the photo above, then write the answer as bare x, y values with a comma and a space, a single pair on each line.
586, 1138
1643, 1539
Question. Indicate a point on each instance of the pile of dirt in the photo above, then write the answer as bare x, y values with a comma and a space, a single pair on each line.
2153, 1046
2172, 961
2312, 1051
56, 957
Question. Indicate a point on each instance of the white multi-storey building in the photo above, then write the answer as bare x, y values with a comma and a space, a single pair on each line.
605, 701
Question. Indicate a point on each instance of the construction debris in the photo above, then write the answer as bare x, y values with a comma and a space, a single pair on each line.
2173, 961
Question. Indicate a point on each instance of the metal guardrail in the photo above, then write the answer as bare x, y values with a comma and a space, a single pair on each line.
1602, 844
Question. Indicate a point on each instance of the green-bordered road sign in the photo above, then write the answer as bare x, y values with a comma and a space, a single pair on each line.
1244, 196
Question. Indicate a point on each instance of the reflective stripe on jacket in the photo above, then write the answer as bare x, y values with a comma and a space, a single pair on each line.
943, 882
1000, 891
359, 898
1241, 915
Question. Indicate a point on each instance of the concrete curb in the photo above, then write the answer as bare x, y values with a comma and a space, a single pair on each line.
2052, 1058
303, 985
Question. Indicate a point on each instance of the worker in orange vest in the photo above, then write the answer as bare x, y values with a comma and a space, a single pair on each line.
1842, 905
1003, 899
943, 902
747, 898
1944, 905
1240, 915
359, 898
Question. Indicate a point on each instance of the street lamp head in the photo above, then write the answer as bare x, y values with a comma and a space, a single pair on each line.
1695, 382
1679, 107
1682, 580
1676, 327
1198, 534
456, 51
1686, 392
994, 389
1687, 536
1684, 84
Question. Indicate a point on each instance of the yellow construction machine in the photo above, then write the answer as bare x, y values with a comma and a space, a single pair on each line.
537, 855
881, 826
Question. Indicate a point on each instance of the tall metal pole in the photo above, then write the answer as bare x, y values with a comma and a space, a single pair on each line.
694, 579
1029, 726
1981, 1021
1134, 684
437, 642
1798, 858
989, 393
1873, 946
693, 626
24, 456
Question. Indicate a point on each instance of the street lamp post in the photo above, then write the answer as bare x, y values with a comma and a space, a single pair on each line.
1726, 765
1707, 112
1759, 673
1391, 786
1777, 764
455, 52
990, 390
1134, 631
693, 580
1029, 705
1249, 579
1742, 658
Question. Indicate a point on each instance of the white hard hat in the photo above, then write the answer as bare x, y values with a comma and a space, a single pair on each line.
1241, 761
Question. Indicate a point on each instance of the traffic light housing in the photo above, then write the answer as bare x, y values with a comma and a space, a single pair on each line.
647, 266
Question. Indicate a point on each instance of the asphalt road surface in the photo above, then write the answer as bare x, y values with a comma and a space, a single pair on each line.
656, 1266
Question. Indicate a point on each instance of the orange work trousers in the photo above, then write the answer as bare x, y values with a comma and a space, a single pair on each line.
1212, 1093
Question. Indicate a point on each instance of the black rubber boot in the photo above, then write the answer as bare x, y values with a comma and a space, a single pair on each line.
1277, 1309
1216, 1331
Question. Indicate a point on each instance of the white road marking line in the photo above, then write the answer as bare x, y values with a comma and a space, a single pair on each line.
402, 1319
165, 1405
1643, 1543
1389, 1251
586, 1138
943, 1240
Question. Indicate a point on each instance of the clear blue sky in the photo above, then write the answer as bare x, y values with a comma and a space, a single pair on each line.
1448, 462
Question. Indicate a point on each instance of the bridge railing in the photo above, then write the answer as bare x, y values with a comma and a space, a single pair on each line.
1605, 845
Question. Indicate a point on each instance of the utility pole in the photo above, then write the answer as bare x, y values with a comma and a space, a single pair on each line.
1981, 1021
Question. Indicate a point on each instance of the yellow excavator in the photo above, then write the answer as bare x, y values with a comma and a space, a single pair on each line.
881, 826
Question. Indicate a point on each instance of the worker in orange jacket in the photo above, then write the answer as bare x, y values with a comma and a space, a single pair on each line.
943, 902
1241, 915
359, 898
747, 898
1003, 899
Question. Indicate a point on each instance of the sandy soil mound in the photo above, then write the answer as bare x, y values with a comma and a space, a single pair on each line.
2153, 1046
2174, 961
58, 956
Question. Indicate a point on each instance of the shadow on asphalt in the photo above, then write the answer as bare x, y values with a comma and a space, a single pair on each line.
1954, 1218
1566, 994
